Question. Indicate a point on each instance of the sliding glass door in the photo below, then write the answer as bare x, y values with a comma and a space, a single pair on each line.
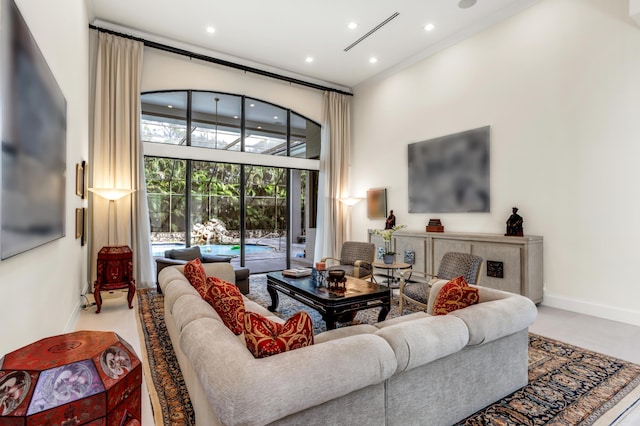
266, 220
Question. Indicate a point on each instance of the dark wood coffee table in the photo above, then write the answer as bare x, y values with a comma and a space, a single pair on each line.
332, 305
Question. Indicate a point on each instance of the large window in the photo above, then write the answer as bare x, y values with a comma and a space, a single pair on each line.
215, 121
166, 185
230, 203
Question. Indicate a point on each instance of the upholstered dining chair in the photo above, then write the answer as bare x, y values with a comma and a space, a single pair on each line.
355, 259
453, 264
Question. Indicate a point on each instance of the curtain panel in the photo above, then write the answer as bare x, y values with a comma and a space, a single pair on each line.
117, 160
334, 175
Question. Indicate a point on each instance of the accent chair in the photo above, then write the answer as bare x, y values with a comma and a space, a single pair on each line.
182, 256
355, 259
453, 264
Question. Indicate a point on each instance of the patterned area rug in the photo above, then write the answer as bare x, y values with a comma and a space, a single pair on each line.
169, 396
567, 385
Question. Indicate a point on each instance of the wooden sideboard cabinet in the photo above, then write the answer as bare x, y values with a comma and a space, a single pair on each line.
511, 264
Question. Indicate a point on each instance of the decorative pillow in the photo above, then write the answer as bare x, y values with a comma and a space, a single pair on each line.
265, 337
195, 273
456, 294
226, 299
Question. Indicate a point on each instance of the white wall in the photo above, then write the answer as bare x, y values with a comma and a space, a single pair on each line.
40, 289
167, 71
559, 84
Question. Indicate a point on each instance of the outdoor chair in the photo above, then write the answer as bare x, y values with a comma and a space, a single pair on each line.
181, 256
453, 264
355, 259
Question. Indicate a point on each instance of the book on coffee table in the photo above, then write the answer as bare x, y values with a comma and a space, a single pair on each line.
297, 273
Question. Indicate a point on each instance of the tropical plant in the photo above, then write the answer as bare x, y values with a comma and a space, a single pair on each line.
386, 235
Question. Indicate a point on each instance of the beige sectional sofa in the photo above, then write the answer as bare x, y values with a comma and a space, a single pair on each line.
417, 369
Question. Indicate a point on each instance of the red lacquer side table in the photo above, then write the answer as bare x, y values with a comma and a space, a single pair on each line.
114, 272
81, 378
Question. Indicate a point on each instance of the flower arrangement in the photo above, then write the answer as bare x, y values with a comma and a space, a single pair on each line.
386, 236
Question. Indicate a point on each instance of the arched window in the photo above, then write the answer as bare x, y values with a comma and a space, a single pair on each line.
232, 174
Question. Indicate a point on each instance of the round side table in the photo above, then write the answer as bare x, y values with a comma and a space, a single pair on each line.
390, 267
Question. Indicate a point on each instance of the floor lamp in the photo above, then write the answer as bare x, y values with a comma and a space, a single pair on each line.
350, 202
112, 194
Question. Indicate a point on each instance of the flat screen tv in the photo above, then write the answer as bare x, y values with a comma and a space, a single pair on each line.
450, 174
33, 121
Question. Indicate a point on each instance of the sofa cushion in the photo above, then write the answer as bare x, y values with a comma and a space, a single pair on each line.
189, 308
227, 301
221, 270
251, 306
175, 289
497, 315
265, 337
454, 295
342, 332
401, 319
424, 340
196, 275
184, 254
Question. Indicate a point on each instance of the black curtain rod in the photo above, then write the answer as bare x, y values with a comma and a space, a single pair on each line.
222, 62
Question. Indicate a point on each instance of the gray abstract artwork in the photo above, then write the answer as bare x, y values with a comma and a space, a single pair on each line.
450, 174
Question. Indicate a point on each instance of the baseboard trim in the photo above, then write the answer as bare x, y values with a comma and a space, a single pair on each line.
73, 320
627, 316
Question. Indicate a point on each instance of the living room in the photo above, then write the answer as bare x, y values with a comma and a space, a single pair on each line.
557, 82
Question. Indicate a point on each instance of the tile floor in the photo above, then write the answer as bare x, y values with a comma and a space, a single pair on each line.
608, 337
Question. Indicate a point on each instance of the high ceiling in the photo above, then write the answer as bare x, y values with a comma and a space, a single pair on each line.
285, 33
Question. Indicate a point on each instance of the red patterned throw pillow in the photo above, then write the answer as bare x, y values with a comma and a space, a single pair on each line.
456, 294
265, 337
195, 273
226, 299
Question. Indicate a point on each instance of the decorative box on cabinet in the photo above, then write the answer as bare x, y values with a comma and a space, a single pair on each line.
81, 378
115, 271
408, 244
512, 264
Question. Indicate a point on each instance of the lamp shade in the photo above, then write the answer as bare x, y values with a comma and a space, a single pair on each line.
350, 201
111, 194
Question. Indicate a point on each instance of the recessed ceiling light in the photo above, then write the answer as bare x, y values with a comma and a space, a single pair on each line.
235, 117
373, 60
352, 25
429, 27
169, 106
259, 127
308, 59
252, 105
275, 118
211, 30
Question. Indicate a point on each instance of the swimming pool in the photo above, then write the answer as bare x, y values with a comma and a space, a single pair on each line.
224, 249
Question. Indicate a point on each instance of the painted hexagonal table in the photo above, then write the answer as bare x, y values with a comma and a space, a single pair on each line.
80, 378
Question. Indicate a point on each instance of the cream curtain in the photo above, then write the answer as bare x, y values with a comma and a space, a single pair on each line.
117, 155
334, 174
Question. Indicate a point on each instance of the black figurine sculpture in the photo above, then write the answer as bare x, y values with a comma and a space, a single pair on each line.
514, 224
391, 221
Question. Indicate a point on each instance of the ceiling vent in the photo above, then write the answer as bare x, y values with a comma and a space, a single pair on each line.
465, 4
373, 30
